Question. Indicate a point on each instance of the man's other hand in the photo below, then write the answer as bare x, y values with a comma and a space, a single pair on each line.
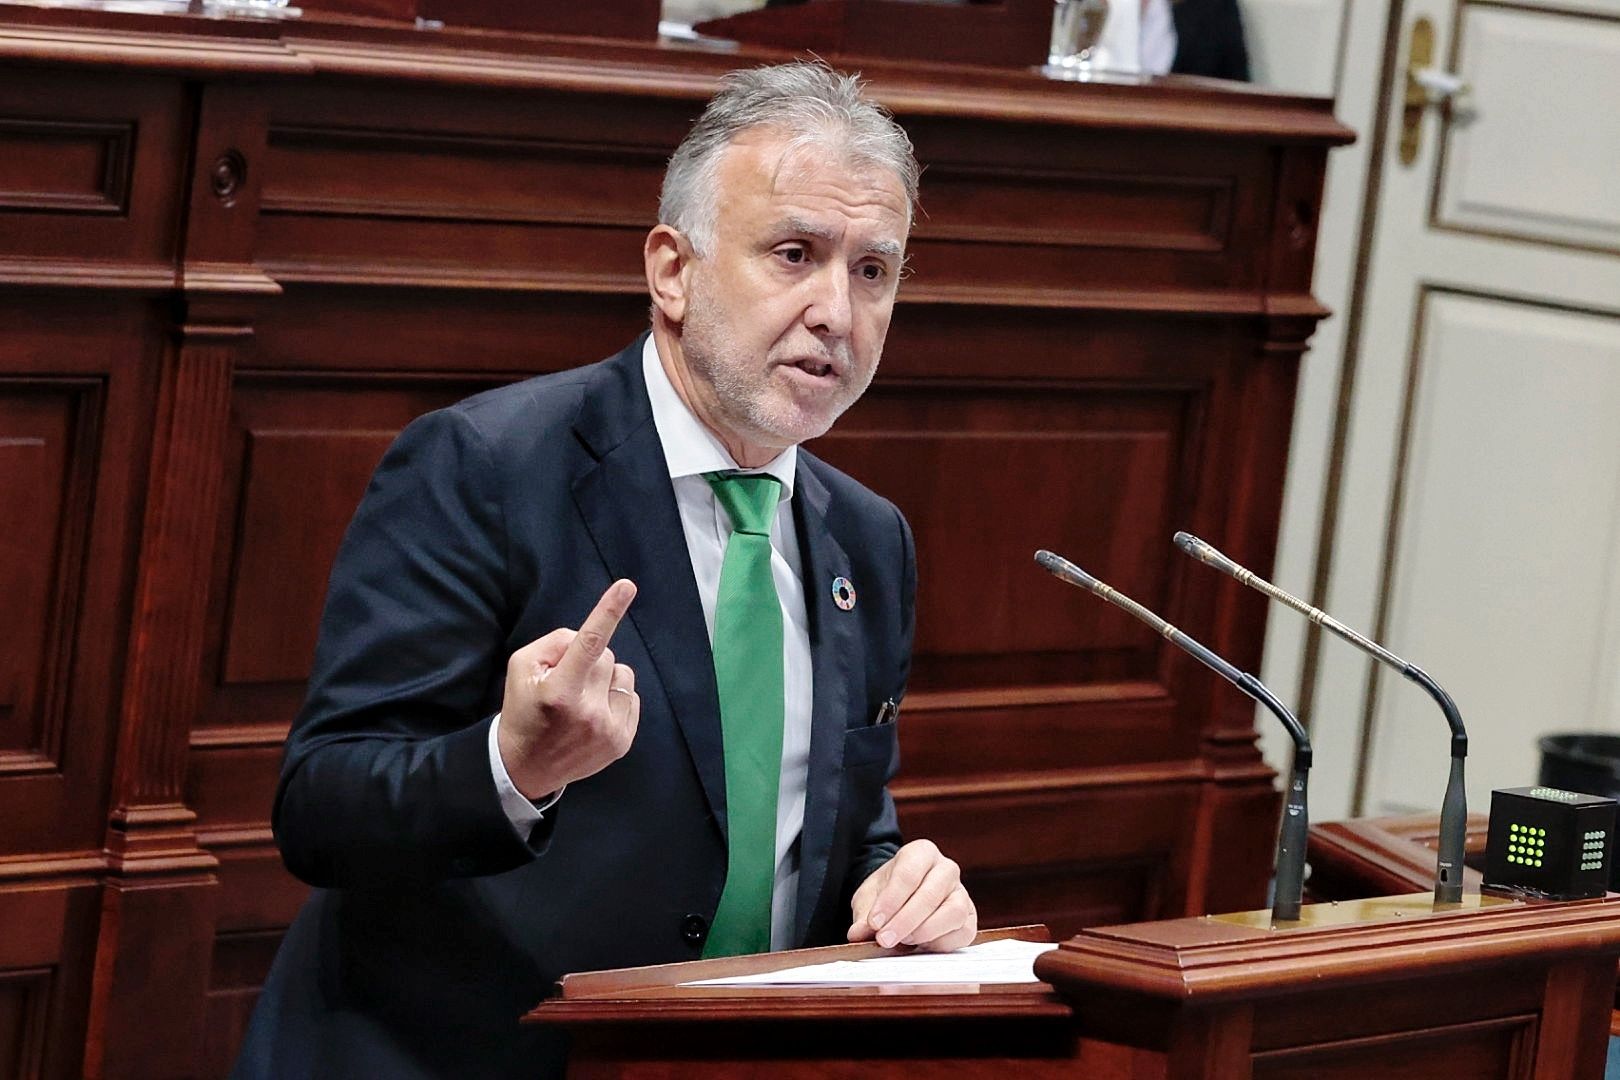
916, 898
569, 710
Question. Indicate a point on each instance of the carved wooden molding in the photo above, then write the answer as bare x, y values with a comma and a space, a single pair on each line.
234, 279
449, 204
112, 142
239, 736
1373, 856
459, 57
948, 700
25, 995
1067, 780
1225, 959
33, 723
250, 49
1205, 202
71, 867
301, 271
161, 694
85, 274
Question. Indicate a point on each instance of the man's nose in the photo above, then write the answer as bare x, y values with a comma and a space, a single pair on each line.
829, 309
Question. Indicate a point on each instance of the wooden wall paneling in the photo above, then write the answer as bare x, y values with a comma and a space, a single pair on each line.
1109, 291
1247, 529
49, 430
336, 371
45, 975
160, 895
70, 444
475, 189
998, 431
423, 333
1070, 214
86, 168
1580, 997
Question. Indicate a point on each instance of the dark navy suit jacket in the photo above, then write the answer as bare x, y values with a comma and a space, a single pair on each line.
434, 926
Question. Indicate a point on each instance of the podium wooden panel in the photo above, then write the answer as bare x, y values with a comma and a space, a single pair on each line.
1390, 987
1364, 857
639, 1024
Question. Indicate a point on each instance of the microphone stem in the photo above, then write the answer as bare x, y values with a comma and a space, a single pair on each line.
1292, 837
1448, 880
1289, 887
1454, 808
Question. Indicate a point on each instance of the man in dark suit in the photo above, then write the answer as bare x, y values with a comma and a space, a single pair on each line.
486, 798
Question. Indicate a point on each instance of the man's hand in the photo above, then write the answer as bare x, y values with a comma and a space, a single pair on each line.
569, 710
916, 898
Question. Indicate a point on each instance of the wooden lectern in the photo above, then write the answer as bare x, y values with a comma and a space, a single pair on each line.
1389, 988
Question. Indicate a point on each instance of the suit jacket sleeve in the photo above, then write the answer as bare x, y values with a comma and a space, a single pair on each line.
386, 777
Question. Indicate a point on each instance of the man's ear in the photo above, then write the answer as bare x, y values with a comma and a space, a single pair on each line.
668, 257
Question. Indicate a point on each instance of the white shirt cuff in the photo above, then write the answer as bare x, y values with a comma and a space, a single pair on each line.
523, 813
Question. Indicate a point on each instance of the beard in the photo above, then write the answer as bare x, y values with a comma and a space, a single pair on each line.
748, 395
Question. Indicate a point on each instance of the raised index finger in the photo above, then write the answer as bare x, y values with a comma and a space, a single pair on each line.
596, 631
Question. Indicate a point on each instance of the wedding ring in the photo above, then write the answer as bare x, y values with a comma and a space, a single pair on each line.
619, 690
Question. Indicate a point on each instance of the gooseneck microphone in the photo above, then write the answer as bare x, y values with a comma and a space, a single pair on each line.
1291, 838
1448, 874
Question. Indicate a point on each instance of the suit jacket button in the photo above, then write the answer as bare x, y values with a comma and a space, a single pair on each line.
694, 928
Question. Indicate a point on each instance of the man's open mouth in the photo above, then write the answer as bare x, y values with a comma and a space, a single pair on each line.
818, 368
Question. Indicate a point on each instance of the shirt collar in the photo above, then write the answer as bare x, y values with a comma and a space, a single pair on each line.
690, 449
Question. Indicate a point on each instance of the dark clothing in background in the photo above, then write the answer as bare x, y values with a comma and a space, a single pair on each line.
1209, 39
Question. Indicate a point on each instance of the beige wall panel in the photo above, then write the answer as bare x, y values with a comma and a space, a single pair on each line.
1505, 562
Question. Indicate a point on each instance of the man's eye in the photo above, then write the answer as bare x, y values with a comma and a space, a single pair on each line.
873, 272
792, 254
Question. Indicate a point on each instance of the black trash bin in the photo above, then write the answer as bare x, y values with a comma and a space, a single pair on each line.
1589, 764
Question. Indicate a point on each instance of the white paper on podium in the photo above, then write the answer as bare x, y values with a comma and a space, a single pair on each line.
1004, 961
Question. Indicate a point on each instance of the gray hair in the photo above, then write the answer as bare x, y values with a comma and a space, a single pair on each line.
810, 103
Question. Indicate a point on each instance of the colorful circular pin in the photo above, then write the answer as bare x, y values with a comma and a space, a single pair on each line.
843, 593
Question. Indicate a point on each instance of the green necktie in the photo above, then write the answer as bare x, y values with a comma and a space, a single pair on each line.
748, 672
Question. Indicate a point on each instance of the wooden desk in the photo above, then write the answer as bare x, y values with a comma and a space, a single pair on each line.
639, 1022
1391, 988
1368, 856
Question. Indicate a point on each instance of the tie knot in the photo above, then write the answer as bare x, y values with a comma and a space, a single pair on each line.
750, 499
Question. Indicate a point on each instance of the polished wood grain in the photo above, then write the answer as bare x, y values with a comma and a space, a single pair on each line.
1391, 986
619, 1023
240, 255
1377, 856
1010, 33
1395, 986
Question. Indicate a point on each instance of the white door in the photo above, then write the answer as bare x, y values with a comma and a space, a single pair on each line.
1469, 516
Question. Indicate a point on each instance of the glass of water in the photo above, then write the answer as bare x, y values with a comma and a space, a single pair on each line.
1077, 26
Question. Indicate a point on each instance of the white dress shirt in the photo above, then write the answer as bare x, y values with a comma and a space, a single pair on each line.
690, 450
1157, 42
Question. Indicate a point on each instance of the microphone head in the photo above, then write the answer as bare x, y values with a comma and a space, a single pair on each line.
1189, 543
1058, 566
1204, 552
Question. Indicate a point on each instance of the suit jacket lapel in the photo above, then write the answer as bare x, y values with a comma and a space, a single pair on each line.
628, 506
833, 649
